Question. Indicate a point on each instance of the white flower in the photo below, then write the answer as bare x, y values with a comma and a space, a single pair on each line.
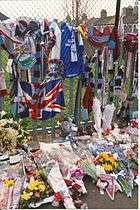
2, 114
3, 122
11, 134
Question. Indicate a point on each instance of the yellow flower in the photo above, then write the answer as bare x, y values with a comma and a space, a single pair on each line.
8, 183
41, 187
33, 185
25, 196
38, 173
38, 182
110, 168
107, 167
111, 159
104, 155
101, 160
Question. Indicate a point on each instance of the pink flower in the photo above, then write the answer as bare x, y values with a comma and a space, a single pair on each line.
37, 194
78, 174
29, 176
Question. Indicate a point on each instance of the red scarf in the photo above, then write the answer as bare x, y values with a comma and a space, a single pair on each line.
88, 99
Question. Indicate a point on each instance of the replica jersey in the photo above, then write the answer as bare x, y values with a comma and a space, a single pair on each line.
71, 51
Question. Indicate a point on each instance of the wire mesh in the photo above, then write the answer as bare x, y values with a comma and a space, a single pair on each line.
93, 12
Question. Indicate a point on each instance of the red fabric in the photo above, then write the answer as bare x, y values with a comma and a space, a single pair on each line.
77, 186
107, 132
106, 31
115, 38
3, 93
133, 124
88, 99
131, 42
68, 182
96, 32
58, 197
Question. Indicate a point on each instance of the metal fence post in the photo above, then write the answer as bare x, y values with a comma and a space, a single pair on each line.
117, 15
118, 6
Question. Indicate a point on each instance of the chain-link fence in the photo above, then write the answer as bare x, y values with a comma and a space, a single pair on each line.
97, 13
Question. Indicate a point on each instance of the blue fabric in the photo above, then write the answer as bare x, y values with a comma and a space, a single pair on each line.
90, 32
111, 44
71, 69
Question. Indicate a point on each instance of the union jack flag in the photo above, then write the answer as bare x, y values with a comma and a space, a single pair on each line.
41, 101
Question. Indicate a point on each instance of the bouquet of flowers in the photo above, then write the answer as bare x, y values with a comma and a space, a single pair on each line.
107, 161
36, 191
12, 135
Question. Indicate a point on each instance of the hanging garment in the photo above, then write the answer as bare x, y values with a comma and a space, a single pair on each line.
66, 34
16, 96
110, 60
131, 41
99, 60
20, 66
73, 48
71, 51
97, 116
54, 28
108, 116
121, 31
39, 101
3, 90
110, 88
21, 29
101, 89
107, 60
88, 98
104, 58
36, 71
86, 79
30, 33
118, 83
55, 70
31, 44
128, 65
100, 83
131, 44
49, 41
